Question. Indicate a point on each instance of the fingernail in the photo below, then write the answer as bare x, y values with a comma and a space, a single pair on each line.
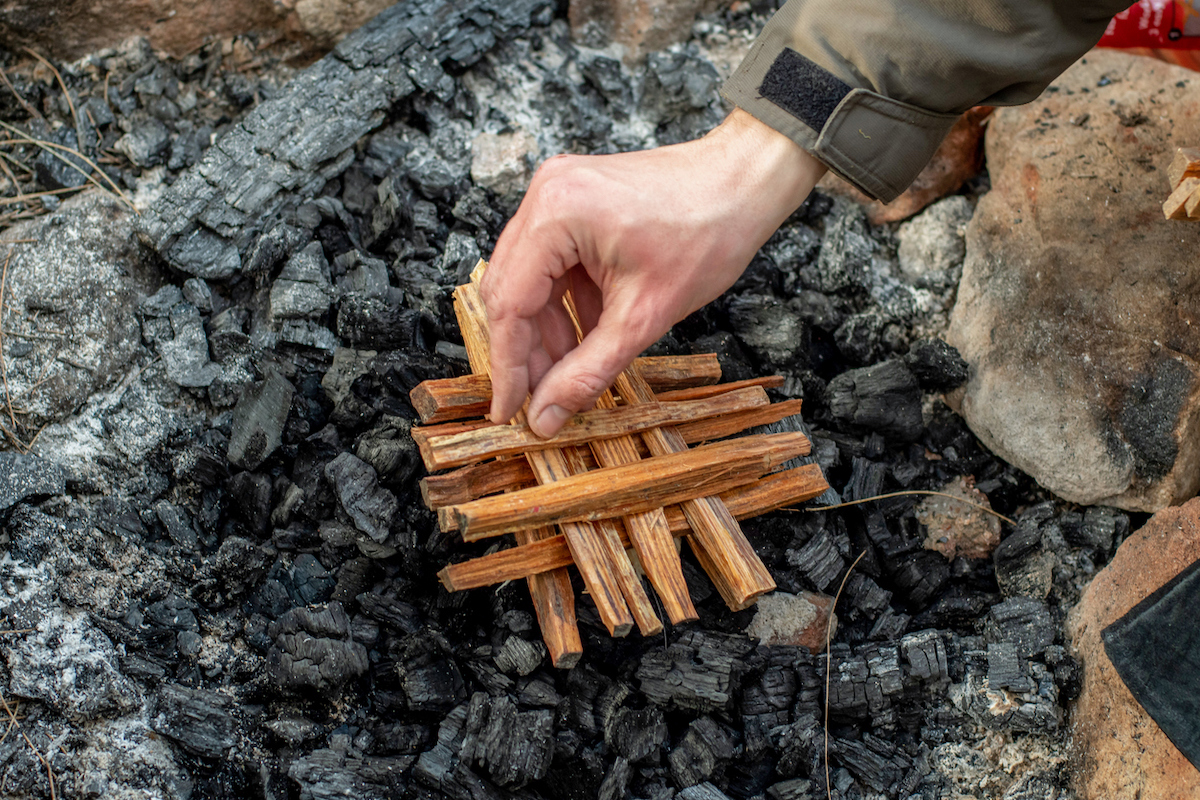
549, 420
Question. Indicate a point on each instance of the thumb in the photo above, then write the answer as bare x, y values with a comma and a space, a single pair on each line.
577, 381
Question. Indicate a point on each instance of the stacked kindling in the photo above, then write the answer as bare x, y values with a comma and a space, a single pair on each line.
1183, 175
651, 462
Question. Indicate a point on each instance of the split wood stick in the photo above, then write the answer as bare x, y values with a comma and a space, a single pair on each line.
772, 492
649, 532
717, 540
447, 399
422, 434
1175, 206
492, 477
610, 531
769, 382
1185, 164
549, 466
617, 491
551, 591
455, 450
705, 430
1192, 205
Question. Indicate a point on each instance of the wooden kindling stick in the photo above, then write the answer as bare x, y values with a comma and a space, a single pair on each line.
766, 494
607, 586
455, 450
447, 399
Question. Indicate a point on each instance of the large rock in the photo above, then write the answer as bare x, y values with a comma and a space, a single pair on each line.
68, 314
1077, 303
1119, 750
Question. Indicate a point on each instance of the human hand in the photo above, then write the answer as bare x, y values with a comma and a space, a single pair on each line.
642, 240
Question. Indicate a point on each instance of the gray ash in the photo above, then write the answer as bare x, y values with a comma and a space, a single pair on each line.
220, 565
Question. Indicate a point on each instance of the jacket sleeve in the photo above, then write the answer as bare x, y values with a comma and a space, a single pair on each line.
871, 87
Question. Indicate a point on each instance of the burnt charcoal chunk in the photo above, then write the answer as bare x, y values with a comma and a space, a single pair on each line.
258, 420
866, 595
60, 169
636, 735
891, 625
440, 767
23, 476
515, 747
884, 398
920, 576
370, 506
251, 495
702, 791
801, 747
769, 328
1024, 621
866, 479
700, 672
314, 649
925, 654
402, 738
520, 656
238, 564
177, 524
872, 761
389, 448
847, 248
429, 676
365, 321
1004, 669
392, 612
795, 789
937, 365
199, 721
702, 754
313, 582
327, 774
146, 143
186, 353
848, 679
271, 250
616, 783
818, 561
1023, 565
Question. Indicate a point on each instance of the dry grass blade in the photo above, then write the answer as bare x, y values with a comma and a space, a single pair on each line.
62, 83
25, 198
979, 506
54, 149
829, 664
28, 108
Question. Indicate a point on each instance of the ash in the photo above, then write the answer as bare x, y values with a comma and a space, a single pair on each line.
218, 579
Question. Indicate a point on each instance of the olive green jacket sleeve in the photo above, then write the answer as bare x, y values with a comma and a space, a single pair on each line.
871, 87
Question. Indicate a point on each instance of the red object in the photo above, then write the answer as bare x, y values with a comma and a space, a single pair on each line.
1157, 24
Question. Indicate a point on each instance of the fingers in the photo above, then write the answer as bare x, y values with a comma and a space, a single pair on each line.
577, 381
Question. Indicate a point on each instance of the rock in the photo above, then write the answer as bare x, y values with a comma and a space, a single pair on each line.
932, 246
803, 619
1081, 345
957, 160
884, 398
639, 27
83, 272
258, 420
369, 505
502, 161
1119, 750
957, 529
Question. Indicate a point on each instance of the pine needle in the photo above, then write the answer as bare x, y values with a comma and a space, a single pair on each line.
53, 148
963, 500
28, 108
63, 84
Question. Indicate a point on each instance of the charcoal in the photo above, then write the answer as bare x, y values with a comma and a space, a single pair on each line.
702, 791
1023, 565
258, 420
794, 789
294, 729
867, 596
373, 322
1023, 621
363, 275
199, 721
676, 83
313, 582
884, 398
866, 479
186, 354
937, 366
520, 656
430, 678
515, 747
146, 143
330, 774
459, 257
303, 289
394, 613
925, 655
196, 292
848, 684
1004, 669
538, 693
440, 768
23, 476
769, 328
872, 761
389, 449
370, 506
179, 527
920, 576
313, 649
818, 561
847, 248
1033, 786
1102, 528
251, 494
403, 738
616, 783
239, 564
699, 672
702, 753
637, 735
58, 169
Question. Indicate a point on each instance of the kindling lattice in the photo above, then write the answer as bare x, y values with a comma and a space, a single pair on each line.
623, 475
